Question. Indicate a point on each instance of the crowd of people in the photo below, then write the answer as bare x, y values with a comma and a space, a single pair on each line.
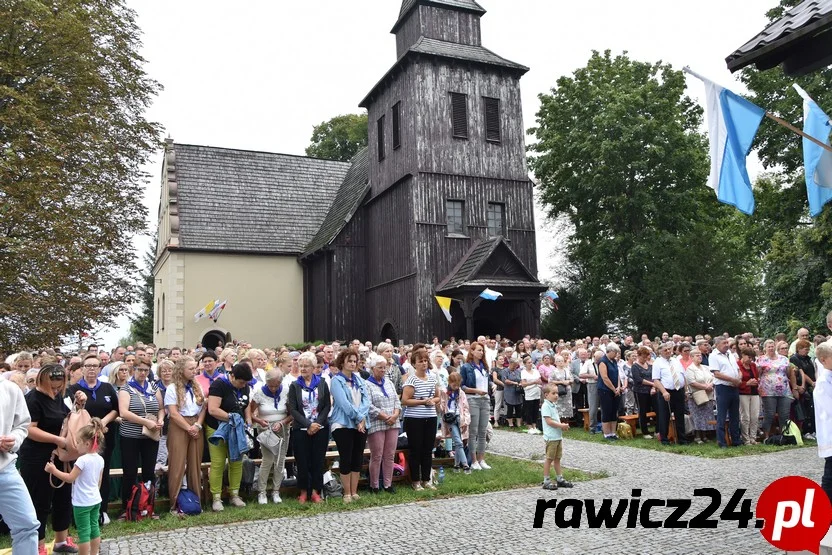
169, 410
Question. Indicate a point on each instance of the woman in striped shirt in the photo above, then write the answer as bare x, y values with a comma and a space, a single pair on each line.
139, 406
383, 434
420, 397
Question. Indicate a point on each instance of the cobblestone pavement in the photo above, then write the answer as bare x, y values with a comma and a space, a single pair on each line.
501, 522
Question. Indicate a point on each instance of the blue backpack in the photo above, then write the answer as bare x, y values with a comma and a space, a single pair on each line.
188, 502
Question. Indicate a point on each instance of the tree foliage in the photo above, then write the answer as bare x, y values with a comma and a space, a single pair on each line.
340, 138
141, 324
797, 256
619, 152
73, 138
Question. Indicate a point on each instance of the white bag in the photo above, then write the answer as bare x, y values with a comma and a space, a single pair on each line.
271, 441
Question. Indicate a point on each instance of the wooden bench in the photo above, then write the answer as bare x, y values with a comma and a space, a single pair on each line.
585, 413
163, 503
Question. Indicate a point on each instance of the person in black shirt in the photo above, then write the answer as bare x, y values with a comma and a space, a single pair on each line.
227, 394
48, 410
803, 393
102, 402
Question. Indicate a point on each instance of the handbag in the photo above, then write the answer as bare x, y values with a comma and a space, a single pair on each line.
450, 417
700, 397
155, 434
270, 441
561, 389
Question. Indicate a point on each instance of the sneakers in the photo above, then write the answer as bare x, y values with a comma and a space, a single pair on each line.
67, 547
429, 485
530, 431
316, 498
390, 490
550, 486
457, 468
261, 498
347, 499
237, 501
216, 506
476, 466
466, 469
646, 436
564, 484
42, 549
484, 466
810, 436
417, 486
302, 498
374, 491
276, 497
356, 497
104, 519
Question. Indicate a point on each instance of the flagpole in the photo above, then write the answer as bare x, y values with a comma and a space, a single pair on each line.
791, 127
771, 116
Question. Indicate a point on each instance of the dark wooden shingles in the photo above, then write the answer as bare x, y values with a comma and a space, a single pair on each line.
237, 200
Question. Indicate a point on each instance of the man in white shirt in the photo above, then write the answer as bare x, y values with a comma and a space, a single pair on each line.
726, 381
669, 381
823, 414
16, 506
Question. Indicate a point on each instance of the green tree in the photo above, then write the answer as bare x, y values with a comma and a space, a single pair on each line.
571, 318
797, 256
141, 324
619, 152
339, 138
73, 138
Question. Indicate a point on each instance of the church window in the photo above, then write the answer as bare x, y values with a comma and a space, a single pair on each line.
459, 115
496, 219
456, 217
492, 119
397, 138
380, 133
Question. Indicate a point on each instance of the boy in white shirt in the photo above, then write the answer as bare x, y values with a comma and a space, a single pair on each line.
553, 436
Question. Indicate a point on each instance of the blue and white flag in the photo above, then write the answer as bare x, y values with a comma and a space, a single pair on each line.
817, 161
490, 294
732, 124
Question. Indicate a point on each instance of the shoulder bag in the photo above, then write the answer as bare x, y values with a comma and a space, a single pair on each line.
155, 434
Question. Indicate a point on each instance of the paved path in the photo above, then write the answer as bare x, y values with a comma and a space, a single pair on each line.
501, 522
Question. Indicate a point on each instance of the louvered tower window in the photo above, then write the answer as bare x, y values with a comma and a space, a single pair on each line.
380, 136
459, 115
397, 137
492, 119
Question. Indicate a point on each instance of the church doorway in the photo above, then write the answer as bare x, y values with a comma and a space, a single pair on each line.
213, 338
389, 332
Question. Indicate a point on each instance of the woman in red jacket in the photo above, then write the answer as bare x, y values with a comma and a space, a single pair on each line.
749, 398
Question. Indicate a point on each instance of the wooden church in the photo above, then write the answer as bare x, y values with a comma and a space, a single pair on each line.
439, 203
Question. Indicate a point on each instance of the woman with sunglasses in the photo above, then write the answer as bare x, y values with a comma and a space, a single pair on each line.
102, 402
48, 410
140, 405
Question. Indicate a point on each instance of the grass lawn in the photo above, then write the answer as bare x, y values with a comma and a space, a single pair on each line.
708, 450
506, 473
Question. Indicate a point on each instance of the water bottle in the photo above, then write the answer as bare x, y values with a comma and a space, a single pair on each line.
441, 474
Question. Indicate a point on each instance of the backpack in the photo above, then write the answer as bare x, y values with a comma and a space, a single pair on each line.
791, 430
624, 431
73, 423
188, 502
142, 500
780, 440
247, 480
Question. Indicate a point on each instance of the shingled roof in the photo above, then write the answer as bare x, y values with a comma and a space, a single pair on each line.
489, 263
449, 50
352, 191
465, 5
245, 201
801, 39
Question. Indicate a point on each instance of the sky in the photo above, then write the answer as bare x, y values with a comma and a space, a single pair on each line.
258, 74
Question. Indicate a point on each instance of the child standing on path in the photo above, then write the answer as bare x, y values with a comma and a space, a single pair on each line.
553, 436
86, 480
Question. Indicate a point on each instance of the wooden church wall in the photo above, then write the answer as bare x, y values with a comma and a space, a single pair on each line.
397, 163
440, 152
